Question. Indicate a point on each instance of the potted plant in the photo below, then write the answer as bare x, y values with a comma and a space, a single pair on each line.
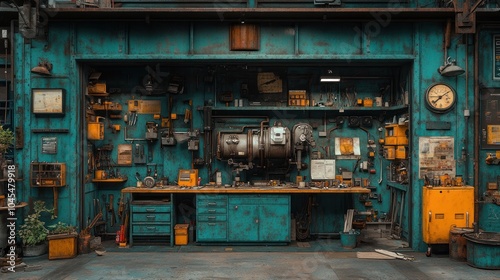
62, 239
6, 141
33, 232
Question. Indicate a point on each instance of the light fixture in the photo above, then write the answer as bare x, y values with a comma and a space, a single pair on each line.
329, 78
450, 69
43, 68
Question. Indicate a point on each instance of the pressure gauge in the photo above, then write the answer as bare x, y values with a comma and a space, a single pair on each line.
440, 98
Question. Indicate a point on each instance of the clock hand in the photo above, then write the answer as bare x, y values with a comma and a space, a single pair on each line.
439, 97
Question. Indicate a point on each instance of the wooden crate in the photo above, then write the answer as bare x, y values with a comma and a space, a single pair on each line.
62, 246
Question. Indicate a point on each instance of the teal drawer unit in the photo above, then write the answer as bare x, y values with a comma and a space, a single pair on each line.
259, 218
151, 221
211, 218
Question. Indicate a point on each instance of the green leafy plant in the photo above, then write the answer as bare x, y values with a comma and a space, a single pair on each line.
61, 228
33, 231
6, 139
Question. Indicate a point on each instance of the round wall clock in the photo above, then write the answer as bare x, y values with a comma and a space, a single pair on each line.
440, 98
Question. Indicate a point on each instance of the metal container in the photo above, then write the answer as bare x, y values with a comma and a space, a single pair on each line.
483, 249
458, 244
95, 130
349, 240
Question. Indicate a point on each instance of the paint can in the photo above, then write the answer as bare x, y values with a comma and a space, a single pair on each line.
458, 244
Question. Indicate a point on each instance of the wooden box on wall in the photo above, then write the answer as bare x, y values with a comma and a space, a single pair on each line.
244, 37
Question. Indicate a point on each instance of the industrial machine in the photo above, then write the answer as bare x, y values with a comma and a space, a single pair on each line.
268, 143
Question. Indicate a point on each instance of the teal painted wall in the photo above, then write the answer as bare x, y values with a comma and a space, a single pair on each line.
74, 47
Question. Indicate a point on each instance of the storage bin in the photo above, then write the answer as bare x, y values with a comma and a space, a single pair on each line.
181, 234
62, 246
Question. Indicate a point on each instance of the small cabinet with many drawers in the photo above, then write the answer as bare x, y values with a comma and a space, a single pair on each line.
211, 218
151, 221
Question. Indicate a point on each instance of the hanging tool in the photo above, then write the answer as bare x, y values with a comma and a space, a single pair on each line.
111, 209
381, 172
105, 205
56, 198
121, 207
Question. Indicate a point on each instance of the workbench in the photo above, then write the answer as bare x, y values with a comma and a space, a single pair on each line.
242, 190
223, 214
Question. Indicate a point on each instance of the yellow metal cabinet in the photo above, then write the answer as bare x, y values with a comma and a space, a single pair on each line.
444, 207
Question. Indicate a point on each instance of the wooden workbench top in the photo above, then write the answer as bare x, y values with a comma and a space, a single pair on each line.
282, 190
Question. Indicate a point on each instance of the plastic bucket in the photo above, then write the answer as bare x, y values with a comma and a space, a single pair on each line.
458, 244
348, 240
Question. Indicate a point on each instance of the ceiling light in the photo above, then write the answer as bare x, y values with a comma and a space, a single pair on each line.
330, 79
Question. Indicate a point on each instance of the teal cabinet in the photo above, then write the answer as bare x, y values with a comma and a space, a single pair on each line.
259, 218
151, 221
241, 218
211, 218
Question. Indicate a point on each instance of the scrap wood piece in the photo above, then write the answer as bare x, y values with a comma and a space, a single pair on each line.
395, 255
348, 220
373, 255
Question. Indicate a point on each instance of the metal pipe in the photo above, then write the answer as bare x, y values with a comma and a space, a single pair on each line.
476, 125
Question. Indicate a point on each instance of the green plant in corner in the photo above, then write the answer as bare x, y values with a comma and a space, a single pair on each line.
6, 139
33, 231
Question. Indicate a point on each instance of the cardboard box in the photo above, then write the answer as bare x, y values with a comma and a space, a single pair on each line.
181, 234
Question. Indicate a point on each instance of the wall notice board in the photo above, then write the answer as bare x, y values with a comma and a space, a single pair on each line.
490, 118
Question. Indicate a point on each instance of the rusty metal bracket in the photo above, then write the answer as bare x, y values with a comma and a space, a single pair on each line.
465, 17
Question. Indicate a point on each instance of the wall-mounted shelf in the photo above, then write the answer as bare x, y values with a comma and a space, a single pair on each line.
46, 174
299, 109
115, 180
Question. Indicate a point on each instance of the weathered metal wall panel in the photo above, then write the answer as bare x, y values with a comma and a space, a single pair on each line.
489, 218
101, 38
330, 39
158, 38
56, 50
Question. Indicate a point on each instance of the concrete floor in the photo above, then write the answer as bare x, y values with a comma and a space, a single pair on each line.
320, 259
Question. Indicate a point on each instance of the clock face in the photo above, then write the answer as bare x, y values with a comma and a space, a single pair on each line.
48, 101
440, 98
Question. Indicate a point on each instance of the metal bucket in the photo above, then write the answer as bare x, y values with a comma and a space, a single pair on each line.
483, 249
348, 240
458, 244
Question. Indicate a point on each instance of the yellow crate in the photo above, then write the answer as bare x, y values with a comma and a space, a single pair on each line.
401, 152
62, 246
396, 130
396, 140
181, 234
97, 88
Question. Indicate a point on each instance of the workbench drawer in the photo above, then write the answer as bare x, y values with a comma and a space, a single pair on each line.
151, 208
150, 229
150, 217
211, 197
259, 200
211, 218
211, 231
211, 203
211, 210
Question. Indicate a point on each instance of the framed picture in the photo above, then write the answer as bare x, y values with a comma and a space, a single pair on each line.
47, 101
